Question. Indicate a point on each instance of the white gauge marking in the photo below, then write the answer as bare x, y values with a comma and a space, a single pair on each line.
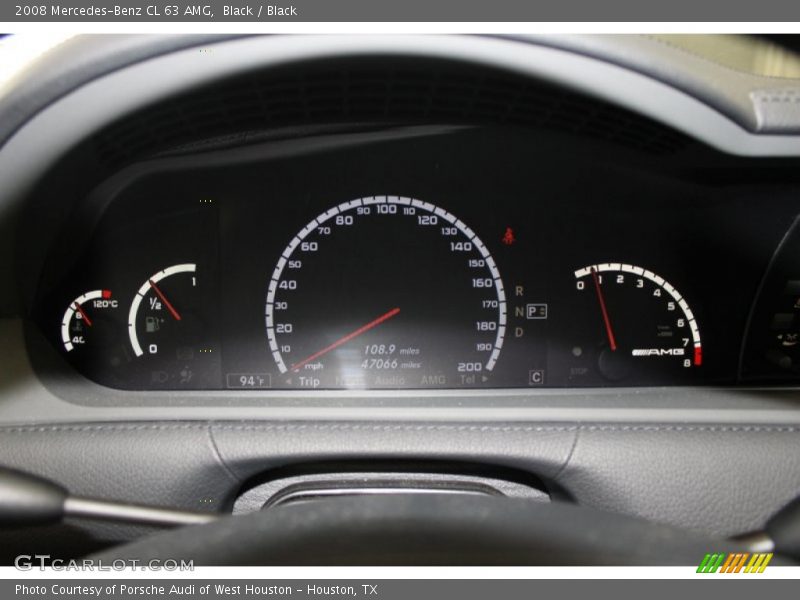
70, 312
426, 206
146, 287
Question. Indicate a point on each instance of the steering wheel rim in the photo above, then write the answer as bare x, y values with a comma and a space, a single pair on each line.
435, 529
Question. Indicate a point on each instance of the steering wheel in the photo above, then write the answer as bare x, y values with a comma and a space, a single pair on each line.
426, 529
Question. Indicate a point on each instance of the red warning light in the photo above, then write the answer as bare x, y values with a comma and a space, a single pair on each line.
508, 237
106, 294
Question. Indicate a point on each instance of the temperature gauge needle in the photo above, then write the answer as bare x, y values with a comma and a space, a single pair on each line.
609, 331
347, 338
166, 302
83, 314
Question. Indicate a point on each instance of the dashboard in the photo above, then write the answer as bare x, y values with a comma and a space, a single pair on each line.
427, 256
566, 261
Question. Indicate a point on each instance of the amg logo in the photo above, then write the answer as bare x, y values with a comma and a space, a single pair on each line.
658, 352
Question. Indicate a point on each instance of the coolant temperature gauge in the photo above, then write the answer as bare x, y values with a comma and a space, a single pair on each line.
86, 319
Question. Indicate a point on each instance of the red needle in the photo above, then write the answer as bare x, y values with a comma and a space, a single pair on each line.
84, 316
347, 338
166, 302
606, 320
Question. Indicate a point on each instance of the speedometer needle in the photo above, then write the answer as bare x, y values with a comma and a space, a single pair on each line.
166, 302
609, 331
347, 338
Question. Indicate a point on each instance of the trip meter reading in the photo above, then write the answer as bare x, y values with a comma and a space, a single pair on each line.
633, 324
385, 292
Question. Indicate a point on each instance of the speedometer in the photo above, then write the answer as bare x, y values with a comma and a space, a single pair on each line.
385, 292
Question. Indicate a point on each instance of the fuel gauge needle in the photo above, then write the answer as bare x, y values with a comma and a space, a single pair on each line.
609, 330
166, 302
344, 339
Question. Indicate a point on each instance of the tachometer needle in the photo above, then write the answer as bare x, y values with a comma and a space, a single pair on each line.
166, 302
83, 314
347, 338
609, 331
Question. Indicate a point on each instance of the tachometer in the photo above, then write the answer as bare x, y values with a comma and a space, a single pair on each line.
633, 324
385, 292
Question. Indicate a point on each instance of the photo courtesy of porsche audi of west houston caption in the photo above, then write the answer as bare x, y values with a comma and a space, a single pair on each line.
191, 589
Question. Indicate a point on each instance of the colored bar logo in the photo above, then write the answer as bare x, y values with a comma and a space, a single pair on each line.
735, 562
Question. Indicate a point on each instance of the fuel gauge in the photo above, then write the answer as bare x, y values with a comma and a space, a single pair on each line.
164, 310
170, 330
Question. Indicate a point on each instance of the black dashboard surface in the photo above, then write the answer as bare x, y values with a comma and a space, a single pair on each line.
440, 257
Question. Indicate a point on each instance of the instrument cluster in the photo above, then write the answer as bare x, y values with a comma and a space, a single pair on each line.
477, 258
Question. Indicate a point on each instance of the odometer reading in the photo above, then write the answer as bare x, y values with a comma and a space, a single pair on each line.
385, 292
